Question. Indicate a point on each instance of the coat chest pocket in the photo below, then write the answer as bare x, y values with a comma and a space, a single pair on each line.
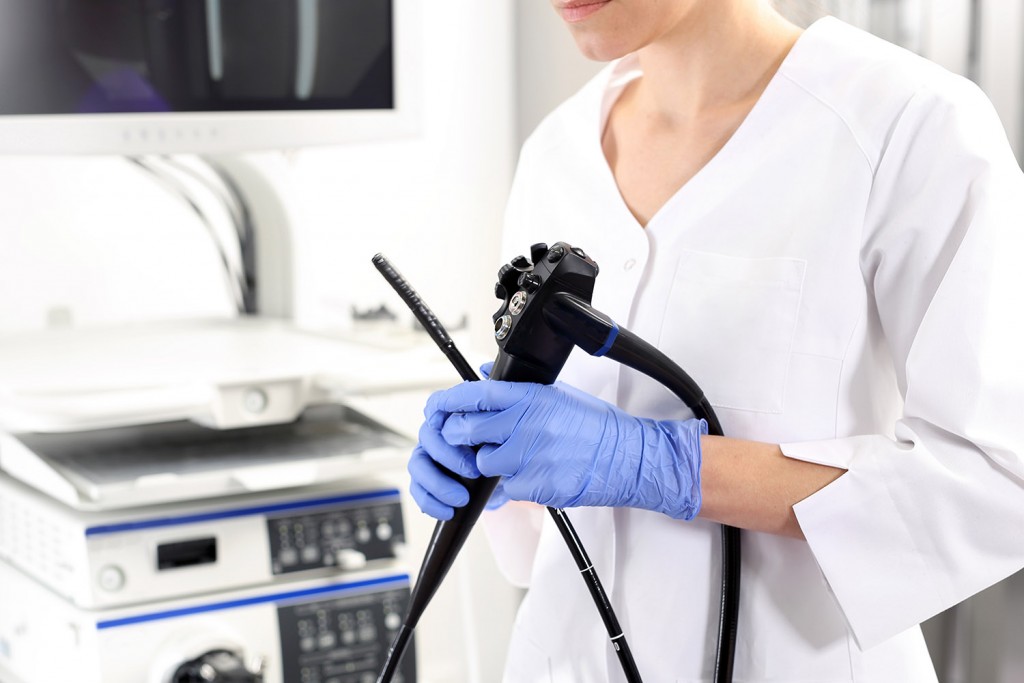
729, 322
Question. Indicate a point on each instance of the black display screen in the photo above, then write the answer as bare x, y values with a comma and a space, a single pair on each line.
131, 56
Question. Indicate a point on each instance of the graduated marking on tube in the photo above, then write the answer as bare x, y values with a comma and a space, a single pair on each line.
612, 334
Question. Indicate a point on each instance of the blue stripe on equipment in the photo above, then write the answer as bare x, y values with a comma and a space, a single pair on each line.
612, 335
238, 512
338, 588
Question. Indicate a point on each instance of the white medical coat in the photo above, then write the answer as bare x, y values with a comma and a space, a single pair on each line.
844, 278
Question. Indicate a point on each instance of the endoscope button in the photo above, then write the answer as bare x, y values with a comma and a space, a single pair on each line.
111, 578
518, 303
384, 531
579, 252
555, 254
531, 283
502, 325
537, 251
522, 264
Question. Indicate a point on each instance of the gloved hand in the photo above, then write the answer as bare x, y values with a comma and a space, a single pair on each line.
557, 446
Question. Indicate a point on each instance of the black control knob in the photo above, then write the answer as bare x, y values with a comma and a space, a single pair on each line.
501, 287
217, 666
538, 251
530, 282
522, 264
508, 279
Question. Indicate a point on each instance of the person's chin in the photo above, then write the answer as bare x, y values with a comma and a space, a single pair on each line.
598, 47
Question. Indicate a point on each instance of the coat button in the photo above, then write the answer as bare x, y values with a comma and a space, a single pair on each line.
629, 264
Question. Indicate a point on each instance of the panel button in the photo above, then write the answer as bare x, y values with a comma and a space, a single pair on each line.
111, 578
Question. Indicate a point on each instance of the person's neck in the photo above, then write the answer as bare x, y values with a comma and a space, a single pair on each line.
722, 55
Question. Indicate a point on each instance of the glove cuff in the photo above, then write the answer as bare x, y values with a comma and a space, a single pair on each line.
683, 495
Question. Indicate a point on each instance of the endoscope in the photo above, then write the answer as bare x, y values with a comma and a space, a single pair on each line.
545, 312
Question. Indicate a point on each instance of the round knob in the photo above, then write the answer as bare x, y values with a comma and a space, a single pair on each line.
111, 578
218, 666
530, 282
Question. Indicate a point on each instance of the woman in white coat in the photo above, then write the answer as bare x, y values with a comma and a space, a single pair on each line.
827, 233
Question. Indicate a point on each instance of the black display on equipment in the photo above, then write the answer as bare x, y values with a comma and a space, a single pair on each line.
132, 56
186, 553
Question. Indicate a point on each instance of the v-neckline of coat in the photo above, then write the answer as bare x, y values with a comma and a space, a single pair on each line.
626, 70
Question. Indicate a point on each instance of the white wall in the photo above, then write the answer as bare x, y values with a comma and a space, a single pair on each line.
549, 68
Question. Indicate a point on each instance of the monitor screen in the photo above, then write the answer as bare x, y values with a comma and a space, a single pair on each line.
135, 76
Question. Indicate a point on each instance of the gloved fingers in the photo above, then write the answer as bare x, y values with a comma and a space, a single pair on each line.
486, 368
469, 397
457, 458
430, 505
475, 429
498, 498
498, 461
426, 474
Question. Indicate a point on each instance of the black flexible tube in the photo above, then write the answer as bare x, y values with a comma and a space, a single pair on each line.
635, 353
597, 334
426, 317
444, 546
596, 588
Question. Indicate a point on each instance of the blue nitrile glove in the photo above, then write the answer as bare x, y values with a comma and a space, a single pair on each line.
436, 493
557, 446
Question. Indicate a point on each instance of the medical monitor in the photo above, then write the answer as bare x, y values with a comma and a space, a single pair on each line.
204, 76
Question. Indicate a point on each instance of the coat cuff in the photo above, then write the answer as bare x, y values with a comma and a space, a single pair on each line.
863, 544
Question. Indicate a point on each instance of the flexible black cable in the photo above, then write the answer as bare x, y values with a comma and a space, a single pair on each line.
597, 334
635, 353
594, 585
572, 540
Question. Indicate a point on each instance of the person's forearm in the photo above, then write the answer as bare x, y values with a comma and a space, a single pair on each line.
754, 486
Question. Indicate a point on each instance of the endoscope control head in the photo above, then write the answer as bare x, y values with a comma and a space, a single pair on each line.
529, 350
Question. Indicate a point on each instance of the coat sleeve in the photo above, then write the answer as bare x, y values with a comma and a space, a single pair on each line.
924, 520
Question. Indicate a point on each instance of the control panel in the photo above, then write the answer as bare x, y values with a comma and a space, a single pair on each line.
343, 640
346, 538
